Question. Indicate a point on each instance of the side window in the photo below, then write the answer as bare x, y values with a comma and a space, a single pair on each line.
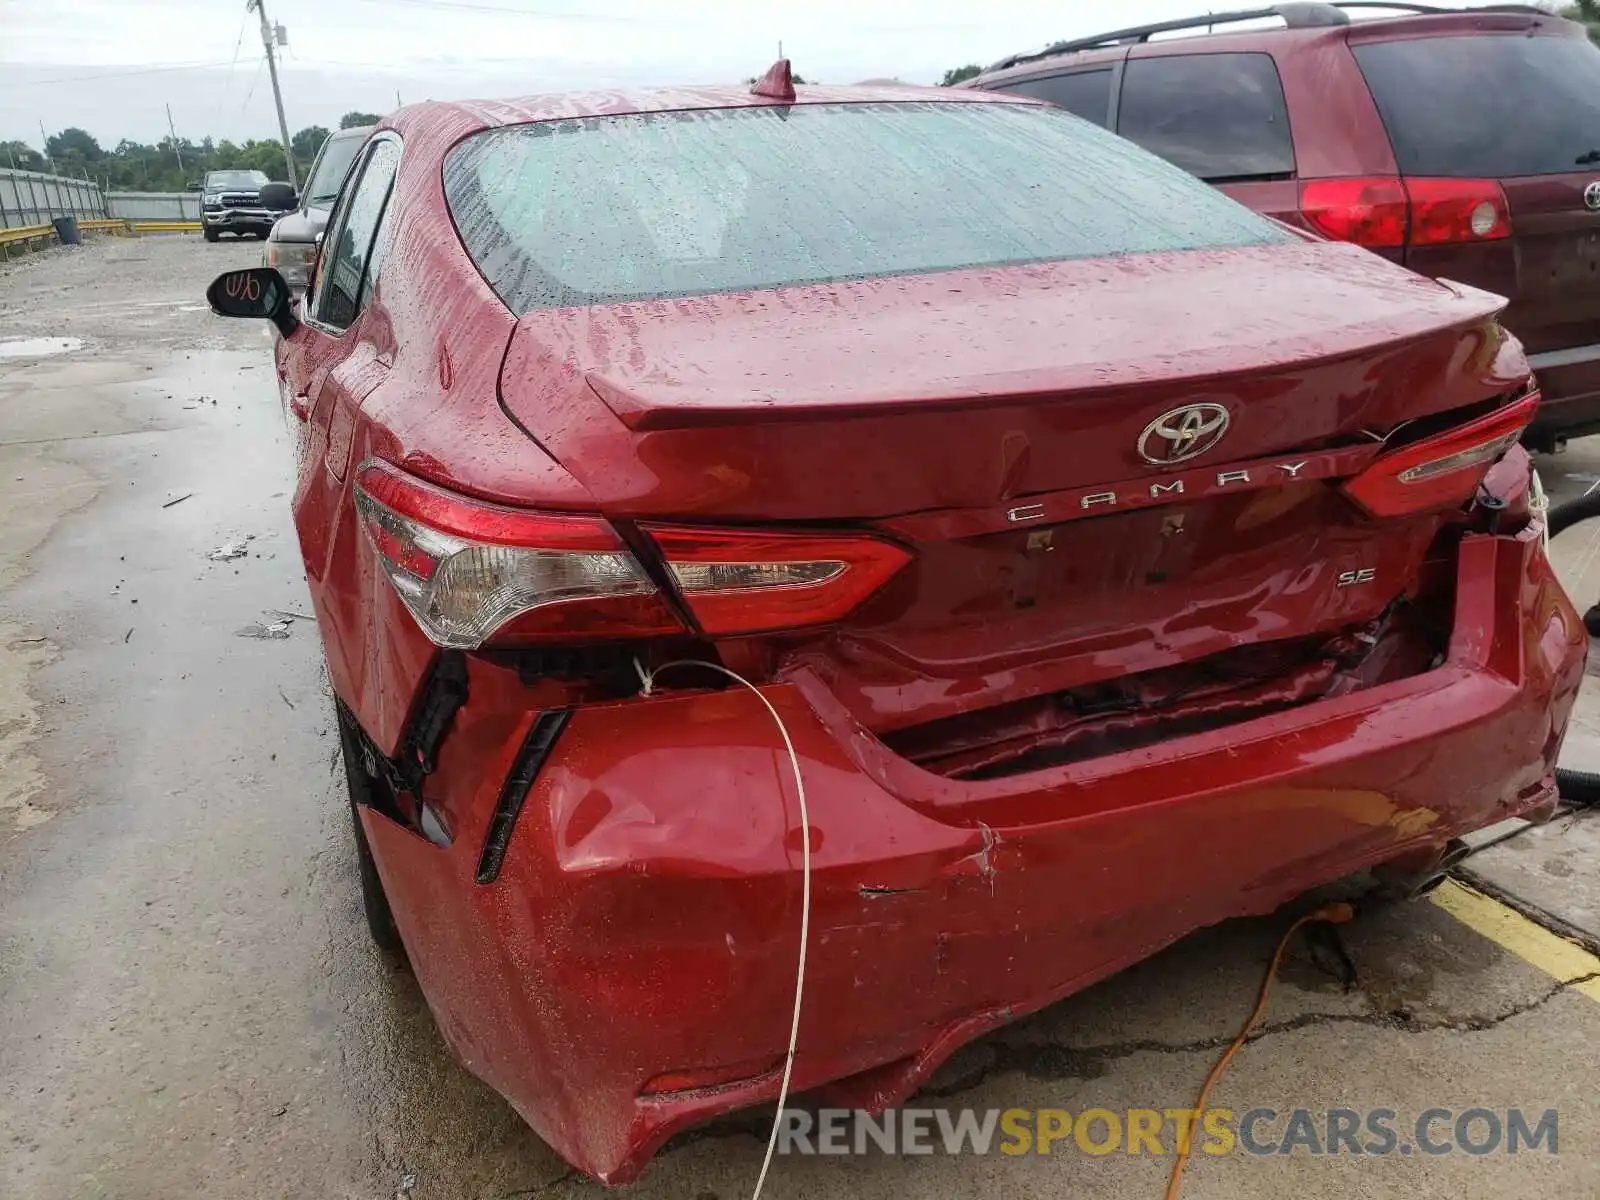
1085, 94
1218, 116
347, 253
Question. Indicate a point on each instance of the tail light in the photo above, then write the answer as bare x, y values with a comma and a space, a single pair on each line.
738, 581
1386, 212
1368, 212
471, 572
1442, 470
1445, 211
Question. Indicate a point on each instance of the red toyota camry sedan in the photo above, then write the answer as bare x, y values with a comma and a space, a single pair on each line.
913, 527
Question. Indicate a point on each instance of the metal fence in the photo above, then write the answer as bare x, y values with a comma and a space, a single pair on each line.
34, 198
154, 206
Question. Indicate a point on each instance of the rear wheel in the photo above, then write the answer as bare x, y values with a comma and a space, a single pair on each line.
380, 918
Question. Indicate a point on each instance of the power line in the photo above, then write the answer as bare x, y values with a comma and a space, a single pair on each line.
420, 65
552, 14
238, 44
535, 14
255, 79
192, 66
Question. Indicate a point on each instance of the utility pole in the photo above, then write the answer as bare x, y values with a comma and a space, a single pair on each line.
174, 132
44, 139
267, 40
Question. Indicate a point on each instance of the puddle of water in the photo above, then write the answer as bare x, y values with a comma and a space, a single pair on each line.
41, 347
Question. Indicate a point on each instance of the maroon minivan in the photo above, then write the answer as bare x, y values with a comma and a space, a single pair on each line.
1462, 143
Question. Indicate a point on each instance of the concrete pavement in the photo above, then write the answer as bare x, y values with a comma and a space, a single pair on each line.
189, 1005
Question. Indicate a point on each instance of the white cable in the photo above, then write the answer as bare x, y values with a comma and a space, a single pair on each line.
647, 679
1539, 503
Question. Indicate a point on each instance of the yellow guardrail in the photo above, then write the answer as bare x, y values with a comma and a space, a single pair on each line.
24, 234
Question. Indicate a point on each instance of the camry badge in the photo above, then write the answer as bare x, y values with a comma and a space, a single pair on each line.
1183, 433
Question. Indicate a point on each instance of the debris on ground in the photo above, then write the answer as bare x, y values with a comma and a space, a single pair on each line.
229, 551
177, 500
277, 631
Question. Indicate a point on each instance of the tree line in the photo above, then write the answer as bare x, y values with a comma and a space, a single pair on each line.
170, 165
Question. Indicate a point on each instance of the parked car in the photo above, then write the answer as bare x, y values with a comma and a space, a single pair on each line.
231, 203
1464, 144
1115, 560
292, 244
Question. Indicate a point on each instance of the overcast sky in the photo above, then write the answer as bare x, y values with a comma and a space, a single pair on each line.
111, 66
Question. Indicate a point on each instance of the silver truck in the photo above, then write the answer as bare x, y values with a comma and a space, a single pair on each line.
293, 242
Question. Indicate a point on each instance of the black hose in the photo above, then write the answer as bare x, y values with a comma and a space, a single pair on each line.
1563, 516
1578, 787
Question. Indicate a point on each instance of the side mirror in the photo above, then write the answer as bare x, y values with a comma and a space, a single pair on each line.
253, 292
279, 197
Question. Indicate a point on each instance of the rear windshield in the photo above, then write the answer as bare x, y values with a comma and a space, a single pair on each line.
1487, 106
241, 179
644, 206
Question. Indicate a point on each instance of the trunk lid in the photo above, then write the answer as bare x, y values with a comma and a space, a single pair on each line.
975, 389
992, 421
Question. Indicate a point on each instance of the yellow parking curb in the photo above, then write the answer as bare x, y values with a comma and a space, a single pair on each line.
1533, 943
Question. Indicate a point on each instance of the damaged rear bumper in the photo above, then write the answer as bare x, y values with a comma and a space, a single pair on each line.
630, 970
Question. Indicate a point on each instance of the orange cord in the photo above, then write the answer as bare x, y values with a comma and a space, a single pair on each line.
1335, 914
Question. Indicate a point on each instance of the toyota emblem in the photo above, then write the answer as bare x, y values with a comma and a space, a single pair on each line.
1183, 433
1591, 195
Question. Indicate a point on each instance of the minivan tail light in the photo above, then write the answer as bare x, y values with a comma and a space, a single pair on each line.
1368, 212
748, 581
1384, 212
1449, 211
1442, 470
472, 572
